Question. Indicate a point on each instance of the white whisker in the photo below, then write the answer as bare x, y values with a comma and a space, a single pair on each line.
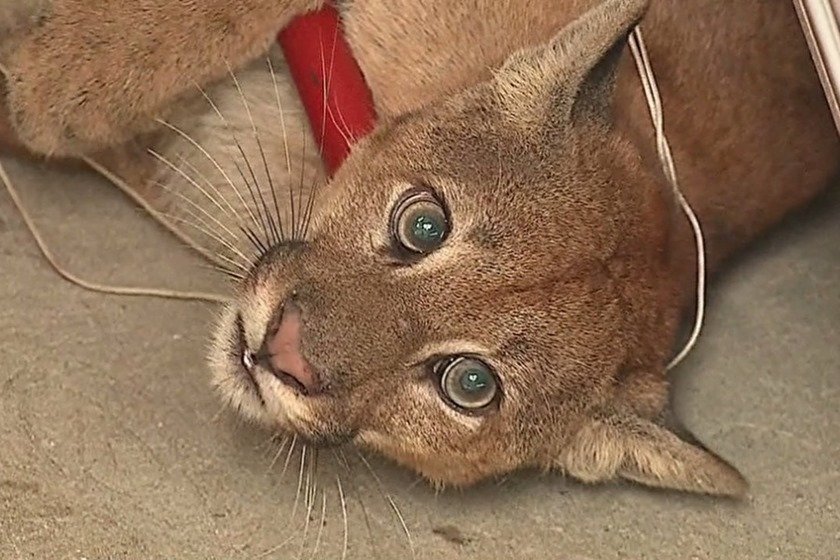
343, 515
285, 146
194, 170
339, 454
154, 213
289, 456
402, 522
86, 284
310, 204
187, 199
320, 526
280, 450
300, 481
215, 163
342, 127
255, 190
272, 550
309, 501
206, 230
278, 235
390, 501
177, 169
202, 227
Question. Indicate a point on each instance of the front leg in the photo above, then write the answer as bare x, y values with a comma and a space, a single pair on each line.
92, 75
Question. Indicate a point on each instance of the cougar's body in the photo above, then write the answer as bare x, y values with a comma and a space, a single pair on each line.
529, 128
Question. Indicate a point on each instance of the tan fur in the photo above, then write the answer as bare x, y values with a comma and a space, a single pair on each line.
569, 263
63, 104
19, 16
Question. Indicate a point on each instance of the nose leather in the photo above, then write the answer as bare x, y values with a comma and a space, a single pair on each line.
284, 350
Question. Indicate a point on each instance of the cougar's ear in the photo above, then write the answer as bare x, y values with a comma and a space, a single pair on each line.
640, 450
574, 75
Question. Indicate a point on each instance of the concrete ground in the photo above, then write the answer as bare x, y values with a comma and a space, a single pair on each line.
112, 445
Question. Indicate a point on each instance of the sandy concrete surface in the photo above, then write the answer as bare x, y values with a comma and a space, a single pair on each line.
112, 445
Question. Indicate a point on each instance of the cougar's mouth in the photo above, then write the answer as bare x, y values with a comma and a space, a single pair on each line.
245, 361
255, 383
248, 362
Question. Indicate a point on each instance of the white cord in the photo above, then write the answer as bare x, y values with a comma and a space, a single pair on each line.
88, 285
640, 55
150, 210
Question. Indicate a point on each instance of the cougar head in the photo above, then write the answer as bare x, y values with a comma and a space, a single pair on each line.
486, 287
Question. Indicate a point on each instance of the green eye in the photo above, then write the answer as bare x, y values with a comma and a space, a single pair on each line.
469, 383
419, 223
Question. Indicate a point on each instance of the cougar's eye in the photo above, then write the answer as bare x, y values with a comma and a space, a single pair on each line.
468, 383
419, 223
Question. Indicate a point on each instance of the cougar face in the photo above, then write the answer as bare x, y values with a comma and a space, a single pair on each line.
486, 287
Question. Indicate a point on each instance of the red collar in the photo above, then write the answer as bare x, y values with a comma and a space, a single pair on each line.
323, 68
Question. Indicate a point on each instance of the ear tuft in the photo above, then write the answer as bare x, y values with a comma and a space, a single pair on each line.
639, 450
578, 64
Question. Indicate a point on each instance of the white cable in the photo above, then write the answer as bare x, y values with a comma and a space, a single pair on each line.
88, 285
640, 55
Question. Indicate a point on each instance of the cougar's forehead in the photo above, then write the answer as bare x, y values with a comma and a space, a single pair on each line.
506, 192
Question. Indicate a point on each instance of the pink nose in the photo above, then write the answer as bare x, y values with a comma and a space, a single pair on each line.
285, 355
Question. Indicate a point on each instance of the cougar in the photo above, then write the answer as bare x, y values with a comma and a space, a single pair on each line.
496, 277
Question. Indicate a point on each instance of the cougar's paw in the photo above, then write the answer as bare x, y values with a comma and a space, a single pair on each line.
59, 106
74, 85
20, 15
93, 75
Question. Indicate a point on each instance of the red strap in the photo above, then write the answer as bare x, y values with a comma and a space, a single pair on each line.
323, 68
